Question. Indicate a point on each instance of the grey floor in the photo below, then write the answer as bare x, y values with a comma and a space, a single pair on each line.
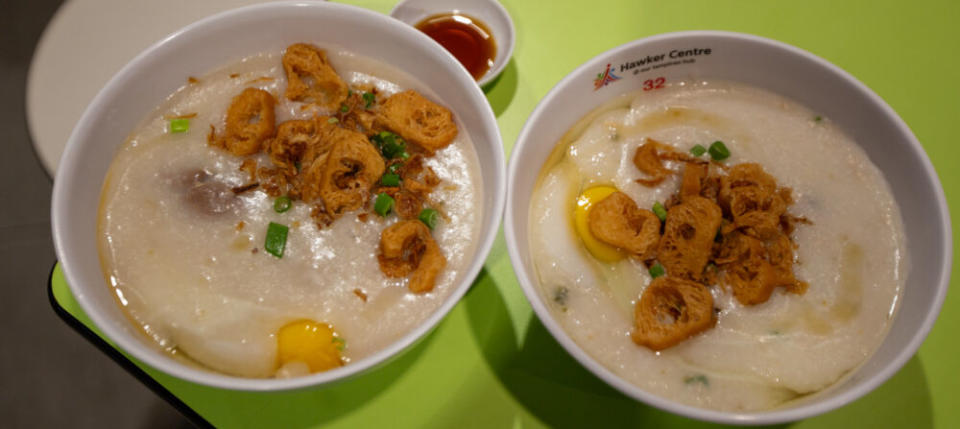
49, 375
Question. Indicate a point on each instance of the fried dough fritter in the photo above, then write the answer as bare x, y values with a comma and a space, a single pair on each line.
688, 235
752, 198
343, 178
753, 268
250, 122
311, 78
407, 247
780, 256
418, 120
693, 177
300, 142
671, 310
616, 220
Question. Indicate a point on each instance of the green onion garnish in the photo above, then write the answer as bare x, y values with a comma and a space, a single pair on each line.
282, 204
368, 99
656, 270
383, 204
391, 145
340, 343
699, 378
390, 179
179, 125
332, 120
817, 118
698, 150
428, 217
344, 108
276, 239
560, 295
394, 168
660, 211
719, 151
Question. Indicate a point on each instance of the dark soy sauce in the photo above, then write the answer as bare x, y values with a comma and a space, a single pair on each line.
467, 38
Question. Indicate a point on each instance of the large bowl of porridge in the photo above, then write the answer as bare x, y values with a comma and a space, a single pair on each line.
279, 196
727, 227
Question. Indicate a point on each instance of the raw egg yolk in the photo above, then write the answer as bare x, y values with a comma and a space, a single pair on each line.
600, 250
312, 343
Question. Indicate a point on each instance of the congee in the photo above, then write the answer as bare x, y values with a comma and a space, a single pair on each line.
717, 244
289, 213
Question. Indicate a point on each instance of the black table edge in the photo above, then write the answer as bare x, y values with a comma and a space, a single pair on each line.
195, 418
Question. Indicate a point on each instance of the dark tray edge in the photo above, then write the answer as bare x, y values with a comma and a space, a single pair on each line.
195, 418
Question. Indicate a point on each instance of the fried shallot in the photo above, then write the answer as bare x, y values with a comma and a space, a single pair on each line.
647, 161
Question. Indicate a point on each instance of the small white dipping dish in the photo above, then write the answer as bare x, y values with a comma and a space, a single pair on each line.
491, 12
809, 80
213, 42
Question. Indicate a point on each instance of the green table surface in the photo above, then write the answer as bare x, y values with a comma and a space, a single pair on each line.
491, 363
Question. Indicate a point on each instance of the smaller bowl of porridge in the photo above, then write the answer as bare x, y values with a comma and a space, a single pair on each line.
279, 208
715, 224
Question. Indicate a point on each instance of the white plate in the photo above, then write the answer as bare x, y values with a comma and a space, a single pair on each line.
86, 42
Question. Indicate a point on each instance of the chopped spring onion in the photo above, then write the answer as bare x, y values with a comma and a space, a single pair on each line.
660, 211
391, 145
699, 378
383, 204
340, 343
656, 270
394, 168
332, 120
368, 99
344, 108
560, 295
719, 151
282, 204
179, 125
393, 150
276, 239
428, 217
817, 118
390, 179
698, 150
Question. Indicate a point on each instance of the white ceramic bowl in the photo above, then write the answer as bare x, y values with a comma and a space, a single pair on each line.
213, 42
809, 80
491, 12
